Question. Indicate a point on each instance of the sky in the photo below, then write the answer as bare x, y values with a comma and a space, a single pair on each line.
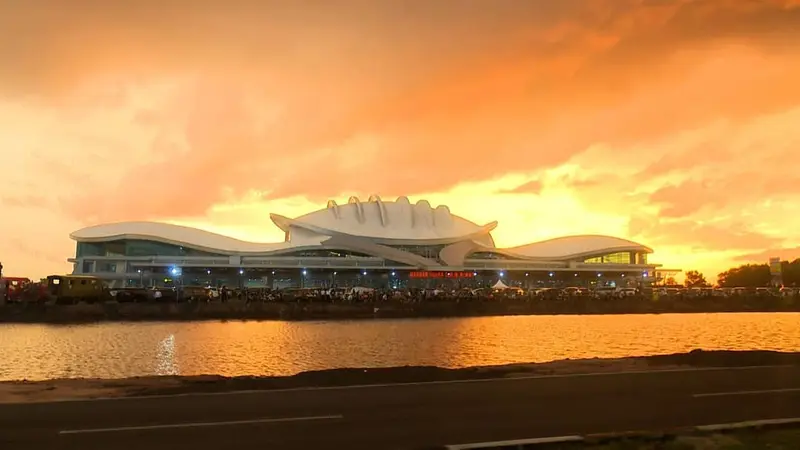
673, 123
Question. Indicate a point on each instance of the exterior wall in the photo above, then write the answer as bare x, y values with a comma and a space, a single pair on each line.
142, 262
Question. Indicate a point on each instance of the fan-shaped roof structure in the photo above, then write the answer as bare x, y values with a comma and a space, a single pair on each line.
387, 222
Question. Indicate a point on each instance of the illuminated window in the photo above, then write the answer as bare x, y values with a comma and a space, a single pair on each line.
487, 255
611, 258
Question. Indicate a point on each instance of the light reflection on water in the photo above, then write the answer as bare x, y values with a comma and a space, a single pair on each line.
115, 350
167, 363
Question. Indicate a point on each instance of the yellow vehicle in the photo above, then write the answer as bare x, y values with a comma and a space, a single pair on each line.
76, 288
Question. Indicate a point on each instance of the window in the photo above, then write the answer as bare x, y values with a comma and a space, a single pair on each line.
90, 249
325, 254
87, 267
107, 267
487, 255
426, 251
152, 248
611, 258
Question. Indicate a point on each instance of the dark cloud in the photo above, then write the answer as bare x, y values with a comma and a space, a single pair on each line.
322, 98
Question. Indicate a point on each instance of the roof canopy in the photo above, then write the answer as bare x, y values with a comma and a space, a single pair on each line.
376, 228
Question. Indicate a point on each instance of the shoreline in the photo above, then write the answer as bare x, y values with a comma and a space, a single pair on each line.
238, 310
22, 391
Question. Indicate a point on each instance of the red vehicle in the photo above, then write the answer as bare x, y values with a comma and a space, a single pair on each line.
15, 286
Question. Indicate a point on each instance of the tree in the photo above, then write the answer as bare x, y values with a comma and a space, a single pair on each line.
790, 272
748, 275
695, 279
670, 281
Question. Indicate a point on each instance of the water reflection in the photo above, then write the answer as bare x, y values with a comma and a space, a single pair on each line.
280, 348
166, 364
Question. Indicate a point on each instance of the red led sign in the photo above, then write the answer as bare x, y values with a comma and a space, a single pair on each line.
427, 274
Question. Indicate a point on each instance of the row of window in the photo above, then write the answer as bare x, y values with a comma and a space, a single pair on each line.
611, 258
130, 247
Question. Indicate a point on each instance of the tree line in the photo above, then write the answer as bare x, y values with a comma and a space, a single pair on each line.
747, 275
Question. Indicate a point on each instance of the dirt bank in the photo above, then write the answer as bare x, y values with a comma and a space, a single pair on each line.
23, 391
756, 436
236, 310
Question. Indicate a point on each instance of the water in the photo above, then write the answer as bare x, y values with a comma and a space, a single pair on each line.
116, 350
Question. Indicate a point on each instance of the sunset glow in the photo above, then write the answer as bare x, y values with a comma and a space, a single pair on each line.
671, 123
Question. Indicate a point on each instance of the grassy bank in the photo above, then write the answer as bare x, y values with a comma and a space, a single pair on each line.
238, 310
23, 391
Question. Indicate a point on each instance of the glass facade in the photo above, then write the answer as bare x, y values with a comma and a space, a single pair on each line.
487, 255
106, 267
612, 258
130, 247
426, 251
324, 254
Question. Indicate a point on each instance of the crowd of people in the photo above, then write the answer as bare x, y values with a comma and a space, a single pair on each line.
365, 295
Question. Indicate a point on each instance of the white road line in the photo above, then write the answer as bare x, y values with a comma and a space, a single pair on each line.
414, 383
200, 424
765, 391
518, 442
557, 439
748, 424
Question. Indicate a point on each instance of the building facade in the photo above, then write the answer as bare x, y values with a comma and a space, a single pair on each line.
375, 243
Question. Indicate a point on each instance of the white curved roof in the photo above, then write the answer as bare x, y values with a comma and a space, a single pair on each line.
175, 235
386, 220
377, 221
575, 246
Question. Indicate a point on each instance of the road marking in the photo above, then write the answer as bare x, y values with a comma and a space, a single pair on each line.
765, 391
612, 435
200, 424
413, 383
518, 443
748, 424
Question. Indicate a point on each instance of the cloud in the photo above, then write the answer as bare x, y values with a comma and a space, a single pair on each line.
665, 232
359, 96
529, 187
785, 254
26, 201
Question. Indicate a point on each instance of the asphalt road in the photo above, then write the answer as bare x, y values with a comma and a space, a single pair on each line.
413, 416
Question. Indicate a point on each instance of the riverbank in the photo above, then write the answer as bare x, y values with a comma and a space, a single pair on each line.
239, 310
65, 389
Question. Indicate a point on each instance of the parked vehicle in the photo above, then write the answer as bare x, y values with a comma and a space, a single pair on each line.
66, 289
14, 286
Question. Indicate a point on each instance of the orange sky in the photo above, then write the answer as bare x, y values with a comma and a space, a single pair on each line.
670, 122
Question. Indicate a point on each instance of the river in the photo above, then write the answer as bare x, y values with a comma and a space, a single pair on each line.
118, 349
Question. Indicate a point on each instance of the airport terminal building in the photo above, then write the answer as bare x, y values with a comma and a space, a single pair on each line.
392, 244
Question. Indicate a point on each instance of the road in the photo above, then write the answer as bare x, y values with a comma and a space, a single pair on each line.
412, 416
